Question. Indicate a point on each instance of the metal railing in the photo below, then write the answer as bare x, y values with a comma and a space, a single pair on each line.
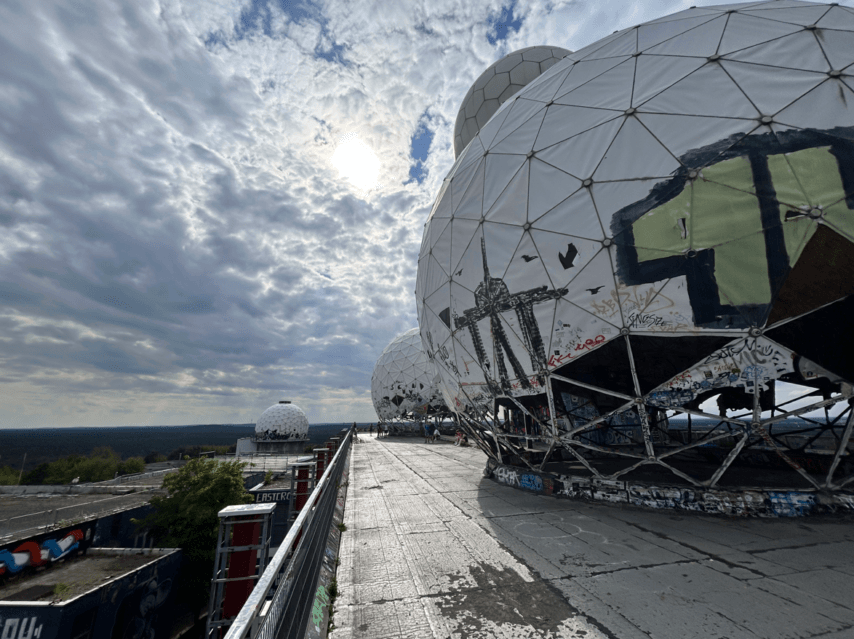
279, 605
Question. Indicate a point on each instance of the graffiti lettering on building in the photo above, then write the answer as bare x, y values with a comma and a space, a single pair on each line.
30, 553
531, 482
506, 475
22, 628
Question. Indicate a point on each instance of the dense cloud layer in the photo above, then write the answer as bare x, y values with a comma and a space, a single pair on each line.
175, 244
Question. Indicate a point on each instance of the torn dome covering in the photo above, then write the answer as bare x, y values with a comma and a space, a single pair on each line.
404, 381
282, 421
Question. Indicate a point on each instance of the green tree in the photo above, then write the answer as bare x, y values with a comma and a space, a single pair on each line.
8, 476
100, 466
131, 465
187, 518
37, 475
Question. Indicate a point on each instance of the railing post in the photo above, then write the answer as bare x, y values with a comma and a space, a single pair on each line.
301, 485
321, 456
333, 444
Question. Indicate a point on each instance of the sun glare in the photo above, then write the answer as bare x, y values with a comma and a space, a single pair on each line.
356, 162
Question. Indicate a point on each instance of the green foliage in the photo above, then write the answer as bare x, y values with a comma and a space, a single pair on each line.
154, 457
36, 475
8, 476
187, 517
332, 591
61, 591
102, 464
268, 478
132, 465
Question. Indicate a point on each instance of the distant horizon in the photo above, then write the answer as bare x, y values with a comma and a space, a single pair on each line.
241, 425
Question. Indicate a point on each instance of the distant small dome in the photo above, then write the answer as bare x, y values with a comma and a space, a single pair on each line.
498, 84
405, 382
282, 421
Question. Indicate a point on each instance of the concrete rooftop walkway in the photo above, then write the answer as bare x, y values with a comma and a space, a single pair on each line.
433, 549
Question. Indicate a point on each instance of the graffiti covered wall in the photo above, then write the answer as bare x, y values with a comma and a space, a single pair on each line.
136, 604
45, 549
751, 503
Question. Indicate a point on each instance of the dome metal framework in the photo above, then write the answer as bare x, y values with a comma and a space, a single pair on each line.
662, 218
282, 421
404, 385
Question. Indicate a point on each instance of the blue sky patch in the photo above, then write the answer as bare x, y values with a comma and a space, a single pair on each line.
419, 148
501, 24
256, 17
334, 53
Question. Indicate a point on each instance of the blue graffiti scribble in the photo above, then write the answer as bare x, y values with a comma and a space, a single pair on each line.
670, 398
791, 504
753, 372
531, 482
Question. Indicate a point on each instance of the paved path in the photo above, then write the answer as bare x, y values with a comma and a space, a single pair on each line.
433, 549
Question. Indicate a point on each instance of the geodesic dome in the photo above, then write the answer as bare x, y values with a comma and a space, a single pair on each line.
498, 84
661, 218
282, 421
404, 382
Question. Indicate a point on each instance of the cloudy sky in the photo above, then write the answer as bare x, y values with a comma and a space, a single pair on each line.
177, 245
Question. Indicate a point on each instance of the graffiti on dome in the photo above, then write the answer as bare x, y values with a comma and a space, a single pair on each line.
746, 363
492, 298
735, 225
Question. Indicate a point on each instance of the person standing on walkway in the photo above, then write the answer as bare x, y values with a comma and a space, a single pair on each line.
436, 433
371, 429
426, 433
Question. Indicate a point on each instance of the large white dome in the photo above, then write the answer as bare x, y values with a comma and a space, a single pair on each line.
282, 421
660, 218
404, 380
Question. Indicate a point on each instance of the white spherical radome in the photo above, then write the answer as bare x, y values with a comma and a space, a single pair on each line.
282, 421
644, 225
498, 84
404, 382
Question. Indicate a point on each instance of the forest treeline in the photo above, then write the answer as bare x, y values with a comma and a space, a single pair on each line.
101, 464
46, 446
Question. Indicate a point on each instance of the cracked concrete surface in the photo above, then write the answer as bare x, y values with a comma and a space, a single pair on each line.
433, 549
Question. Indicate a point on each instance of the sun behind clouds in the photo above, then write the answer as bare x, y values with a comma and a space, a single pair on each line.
356, 162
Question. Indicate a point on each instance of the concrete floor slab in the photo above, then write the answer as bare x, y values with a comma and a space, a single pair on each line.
435, 550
